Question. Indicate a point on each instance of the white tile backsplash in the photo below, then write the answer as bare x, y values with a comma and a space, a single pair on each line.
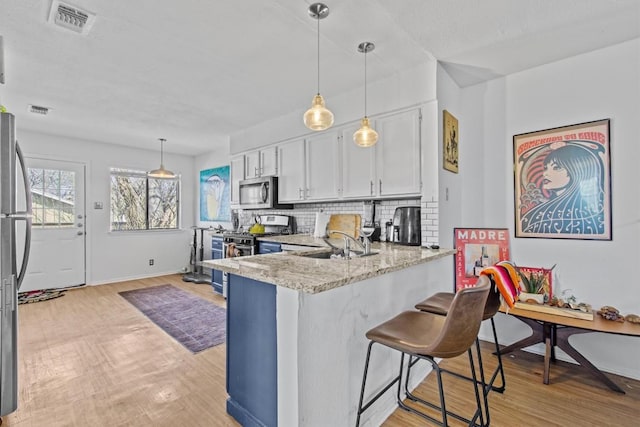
305, 214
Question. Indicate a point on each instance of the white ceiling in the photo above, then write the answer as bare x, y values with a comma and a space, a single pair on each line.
195, 71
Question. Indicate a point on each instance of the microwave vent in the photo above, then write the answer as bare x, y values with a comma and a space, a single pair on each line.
71, 17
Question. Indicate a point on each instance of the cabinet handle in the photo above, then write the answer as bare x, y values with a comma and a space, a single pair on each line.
371, 187
300, 192
380, 189
255, 171
307, 192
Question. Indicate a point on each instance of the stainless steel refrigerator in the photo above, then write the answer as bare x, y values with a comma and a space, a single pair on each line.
13, 175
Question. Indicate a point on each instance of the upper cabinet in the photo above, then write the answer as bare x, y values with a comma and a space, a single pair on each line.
291, 179
322, 166
391, 168
236, 175
398, 154
261, 163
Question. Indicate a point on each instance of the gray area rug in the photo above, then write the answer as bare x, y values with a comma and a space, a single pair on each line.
194, 322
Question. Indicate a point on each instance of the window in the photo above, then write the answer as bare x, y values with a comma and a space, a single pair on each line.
53, 197
141, 203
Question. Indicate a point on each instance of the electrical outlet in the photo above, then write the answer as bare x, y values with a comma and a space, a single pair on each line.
150, 261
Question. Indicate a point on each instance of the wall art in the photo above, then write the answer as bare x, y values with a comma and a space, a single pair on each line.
215, 187
477, 248
563, 182
450, 137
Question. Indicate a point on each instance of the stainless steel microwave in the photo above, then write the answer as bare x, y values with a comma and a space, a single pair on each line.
260, 193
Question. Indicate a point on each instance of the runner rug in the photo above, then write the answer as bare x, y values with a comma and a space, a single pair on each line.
194, 322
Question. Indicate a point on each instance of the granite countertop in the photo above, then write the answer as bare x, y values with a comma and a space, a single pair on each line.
313, 275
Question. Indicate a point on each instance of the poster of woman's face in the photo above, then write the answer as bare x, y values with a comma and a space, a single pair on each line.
563, 182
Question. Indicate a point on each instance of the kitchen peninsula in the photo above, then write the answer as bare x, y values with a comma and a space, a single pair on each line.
296, 328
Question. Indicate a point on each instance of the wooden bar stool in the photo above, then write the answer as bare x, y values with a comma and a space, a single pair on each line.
440, 303
427, 336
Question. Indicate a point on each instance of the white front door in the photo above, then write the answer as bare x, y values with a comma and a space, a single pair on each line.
57, 257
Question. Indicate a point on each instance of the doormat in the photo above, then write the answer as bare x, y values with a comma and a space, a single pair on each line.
194, 322
37, 296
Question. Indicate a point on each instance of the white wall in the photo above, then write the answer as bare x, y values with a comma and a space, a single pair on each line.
120, 256
596, 85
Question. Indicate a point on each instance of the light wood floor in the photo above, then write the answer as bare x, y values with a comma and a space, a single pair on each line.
91, 359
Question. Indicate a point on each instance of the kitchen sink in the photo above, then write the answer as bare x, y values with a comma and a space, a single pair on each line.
327, 255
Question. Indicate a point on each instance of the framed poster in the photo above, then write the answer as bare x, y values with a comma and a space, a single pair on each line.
215, 201
540, 280
563, 182
450, 142
477, 248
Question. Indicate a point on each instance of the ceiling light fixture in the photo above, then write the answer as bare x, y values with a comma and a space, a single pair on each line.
365, 136
318, 117
161, 172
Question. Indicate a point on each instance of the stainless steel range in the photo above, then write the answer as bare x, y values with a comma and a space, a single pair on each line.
237, 244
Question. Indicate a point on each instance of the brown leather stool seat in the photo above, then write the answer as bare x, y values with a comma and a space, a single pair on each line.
440, 303
424, 335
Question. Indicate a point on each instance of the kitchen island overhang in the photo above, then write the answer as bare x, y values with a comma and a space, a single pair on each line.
309, 317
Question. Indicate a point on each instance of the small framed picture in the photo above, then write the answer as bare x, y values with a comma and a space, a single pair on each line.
477, 248
450, 138
563, 182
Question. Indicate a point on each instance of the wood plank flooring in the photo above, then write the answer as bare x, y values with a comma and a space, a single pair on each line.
91, 359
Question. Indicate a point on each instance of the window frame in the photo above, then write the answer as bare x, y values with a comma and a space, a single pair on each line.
115, 171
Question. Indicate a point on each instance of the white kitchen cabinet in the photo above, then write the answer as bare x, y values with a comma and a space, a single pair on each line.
322, 166
358, 166
391, 167
398, 154
291, 176
236, 175
261, 163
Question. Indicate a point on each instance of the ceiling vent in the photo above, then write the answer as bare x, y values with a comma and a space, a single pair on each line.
70, 17
37, 109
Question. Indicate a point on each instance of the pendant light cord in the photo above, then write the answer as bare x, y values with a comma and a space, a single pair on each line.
318, 19
365, 82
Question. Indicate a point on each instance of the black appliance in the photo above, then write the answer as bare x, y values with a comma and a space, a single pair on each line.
406, 226
260, 193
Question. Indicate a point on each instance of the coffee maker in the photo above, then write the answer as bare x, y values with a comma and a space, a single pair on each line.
406, 226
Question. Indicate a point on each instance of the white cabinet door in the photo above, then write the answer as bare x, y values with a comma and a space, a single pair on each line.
323, 166
358, 166
237, 175
291, 182
252, 164
268, 161
398, 154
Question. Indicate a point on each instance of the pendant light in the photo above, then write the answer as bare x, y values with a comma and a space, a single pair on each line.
318, 117
161, 172
365, 136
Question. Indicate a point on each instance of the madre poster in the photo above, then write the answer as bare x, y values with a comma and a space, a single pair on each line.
562, 182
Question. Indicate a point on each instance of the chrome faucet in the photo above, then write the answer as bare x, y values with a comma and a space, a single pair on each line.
365, 244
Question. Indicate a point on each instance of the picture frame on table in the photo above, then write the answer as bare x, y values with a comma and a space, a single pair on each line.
562, 182
450, 140
477, 248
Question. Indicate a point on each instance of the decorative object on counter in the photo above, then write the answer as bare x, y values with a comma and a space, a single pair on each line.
318, 117
470, 258
563, 182
161, 173
632, 318
536, 284
611, 313
346, 223
365, 136
194, 322
450, 138
215, 198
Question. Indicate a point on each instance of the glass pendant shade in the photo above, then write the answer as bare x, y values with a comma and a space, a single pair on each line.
318, 117
161, 172
365, 136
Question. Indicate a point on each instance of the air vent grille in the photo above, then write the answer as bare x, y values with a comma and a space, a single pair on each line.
37, 109
70, 17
